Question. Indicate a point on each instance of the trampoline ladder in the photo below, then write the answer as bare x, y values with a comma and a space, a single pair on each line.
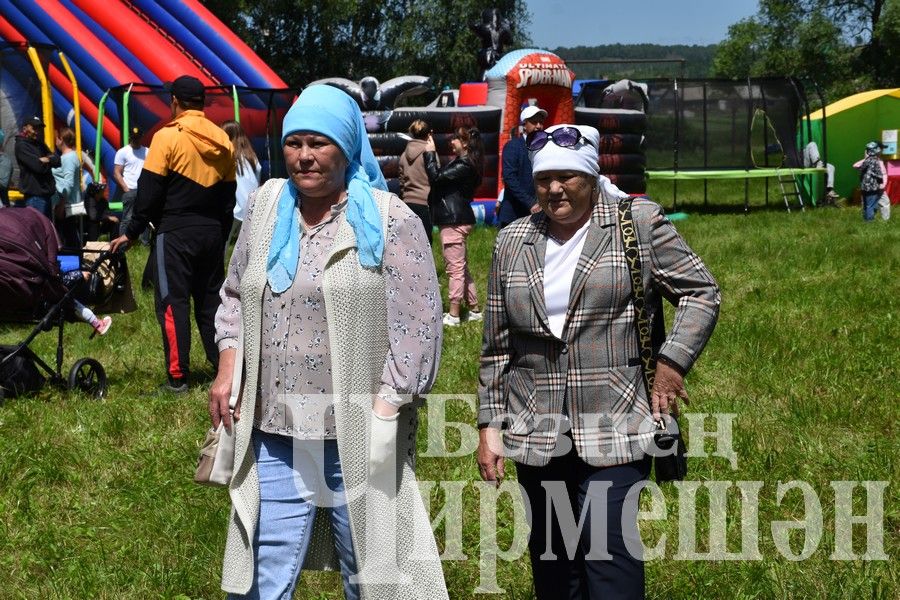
789, 190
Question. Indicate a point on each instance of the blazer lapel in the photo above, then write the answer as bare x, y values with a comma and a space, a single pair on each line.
599, 237
535, 244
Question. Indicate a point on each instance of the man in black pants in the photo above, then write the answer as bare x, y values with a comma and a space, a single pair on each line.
186, 189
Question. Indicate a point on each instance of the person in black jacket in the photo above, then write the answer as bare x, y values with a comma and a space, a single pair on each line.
452, 190
35, 161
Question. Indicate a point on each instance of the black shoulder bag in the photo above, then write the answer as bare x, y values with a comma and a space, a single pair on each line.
668, 451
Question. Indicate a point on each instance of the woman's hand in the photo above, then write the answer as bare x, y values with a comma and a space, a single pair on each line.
383, 408
490, 455
220, 392
429, 144
668, 387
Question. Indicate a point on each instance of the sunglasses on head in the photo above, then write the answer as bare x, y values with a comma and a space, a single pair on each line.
564, 137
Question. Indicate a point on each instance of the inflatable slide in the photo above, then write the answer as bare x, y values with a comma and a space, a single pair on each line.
110, 43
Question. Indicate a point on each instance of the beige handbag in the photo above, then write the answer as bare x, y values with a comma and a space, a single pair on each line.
216, 462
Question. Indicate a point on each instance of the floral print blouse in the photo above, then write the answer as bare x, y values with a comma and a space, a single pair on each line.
294, 397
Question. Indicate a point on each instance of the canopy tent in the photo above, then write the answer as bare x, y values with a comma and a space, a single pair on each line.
850, 124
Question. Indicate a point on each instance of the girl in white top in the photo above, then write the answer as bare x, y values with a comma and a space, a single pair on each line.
248, 168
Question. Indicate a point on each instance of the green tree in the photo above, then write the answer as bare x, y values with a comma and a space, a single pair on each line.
845, 45
887, 31
861, 22
858, 18
743, 49
304, 40
826, 57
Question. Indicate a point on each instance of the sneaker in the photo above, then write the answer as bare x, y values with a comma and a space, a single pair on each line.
103, 325
475, 316
174, 387
451, 321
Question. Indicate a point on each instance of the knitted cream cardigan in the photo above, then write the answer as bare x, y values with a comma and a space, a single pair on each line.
387, 529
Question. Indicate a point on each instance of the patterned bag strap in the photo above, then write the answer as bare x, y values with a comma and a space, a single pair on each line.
644, 328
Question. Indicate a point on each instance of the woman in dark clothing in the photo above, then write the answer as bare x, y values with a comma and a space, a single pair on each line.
452, 190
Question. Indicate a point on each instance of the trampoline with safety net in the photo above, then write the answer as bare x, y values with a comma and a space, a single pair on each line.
715, 130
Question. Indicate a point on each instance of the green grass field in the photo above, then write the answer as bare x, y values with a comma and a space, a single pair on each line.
96, 497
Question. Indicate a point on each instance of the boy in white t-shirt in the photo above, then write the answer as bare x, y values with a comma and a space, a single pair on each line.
128, 164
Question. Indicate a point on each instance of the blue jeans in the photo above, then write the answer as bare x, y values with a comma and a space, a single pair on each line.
294, 477
870, 202
40, 204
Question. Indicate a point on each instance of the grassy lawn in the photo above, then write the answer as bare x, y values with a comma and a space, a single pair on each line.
96, 497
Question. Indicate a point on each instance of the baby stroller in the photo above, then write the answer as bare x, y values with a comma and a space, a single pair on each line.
33, 289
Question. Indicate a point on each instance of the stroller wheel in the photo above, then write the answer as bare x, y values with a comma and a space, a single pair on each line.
88, 375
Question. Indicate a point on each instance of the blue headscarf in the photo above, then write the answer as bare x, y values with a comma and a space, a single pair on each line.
330, 112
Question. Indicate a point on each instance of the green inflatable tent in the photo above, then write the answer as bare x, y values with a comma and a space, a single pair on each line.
850, 124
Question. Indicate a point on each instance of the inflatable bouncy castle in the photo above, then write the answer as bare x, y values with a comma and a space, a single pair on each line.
114, 43
619, 112
522, 78
122, 52
529, 77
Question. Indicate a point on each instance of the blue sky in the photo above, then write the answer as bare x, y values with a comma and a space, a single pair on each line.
557, 23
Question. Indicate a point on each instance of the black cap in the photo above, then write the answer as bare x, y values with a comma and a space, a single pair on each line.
35, 122
187, 88
136, 131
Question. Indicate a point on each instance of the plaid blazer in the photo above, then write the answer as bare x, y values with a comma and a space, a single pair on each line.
592, 374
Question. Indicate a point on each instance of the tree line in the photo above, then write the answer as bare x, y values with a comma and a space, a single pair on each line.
847, 46
844, 45
305, 40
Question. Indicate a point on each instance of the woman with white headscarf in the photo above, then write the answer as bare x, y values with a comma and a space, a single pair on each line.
332, 300
561, 373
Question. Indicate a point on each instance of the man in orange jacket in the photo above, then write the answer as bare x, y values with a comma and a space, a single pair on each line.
186, 190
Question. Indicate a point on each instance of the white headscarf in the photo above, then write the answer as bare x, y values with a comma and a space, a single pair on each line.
581, 157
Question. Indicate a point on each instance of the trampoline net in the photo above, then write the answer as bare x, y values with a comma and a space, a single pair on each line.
719, 124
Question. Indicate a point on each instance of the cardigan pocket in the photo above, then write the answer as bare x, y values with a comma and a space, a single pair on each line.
521, 401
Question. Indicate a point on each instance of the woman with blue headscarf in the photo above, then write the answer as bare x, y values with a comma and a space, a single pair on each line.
331, 323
